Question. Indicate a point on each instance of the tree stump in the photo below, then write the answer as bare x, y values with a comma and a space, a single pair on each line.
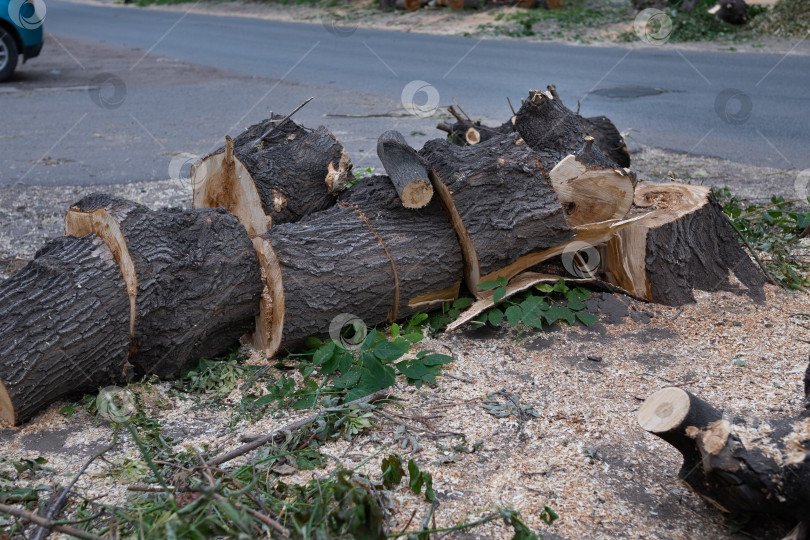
64, 327
682, 242
425, 250
501, 202
193, 278
739, 466
406, 170
275, 172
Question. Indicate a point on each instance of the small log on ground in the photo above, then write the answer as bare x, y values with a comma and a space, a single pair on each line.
64, 327
275, 172
501, 202
684, 243
330, 264
464, 132
456, 5
731, 11
425, 250
406, 170
739, 466
193, 278
552, 129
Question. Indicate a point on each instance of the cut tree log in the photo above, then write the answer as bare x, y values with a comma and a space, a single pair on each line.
464, 132
64, 327
406, 170
424, 247
739, 466
501, 202
193, 278
410, 5
731, 11
552, 129
456, 5
684, 243
331, 264
274, 172
592, 194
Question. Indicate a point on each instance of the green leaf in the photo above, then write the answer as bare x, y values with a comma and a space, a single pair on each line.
348, 380
544, 287
415, 480
498, 295
492, 283
462, 303
373, 376
548, 515
345, 361
495, 317
513, 315
370, 340
394, 330
556, 313
560, 286
304, 403
324, 353
388, 351
578, 293
415, 336
392, 471
588, 319
575, 304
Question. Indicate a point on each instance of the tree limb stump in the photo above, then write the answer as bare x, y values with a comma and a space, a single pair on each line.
193, 278
682, 242
64, 327
275, 172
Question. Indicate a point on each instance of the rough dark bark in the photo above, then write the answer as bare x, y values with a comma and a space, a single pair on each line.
424, 247
292, 172
731, 11
464, 132
196, 274
331, 263
683, 243
64, 327
740, 466
501, 202
552, 129
406, 169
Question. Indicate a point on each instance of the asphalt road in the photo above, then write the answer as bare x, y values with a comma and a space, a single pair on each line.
750, 108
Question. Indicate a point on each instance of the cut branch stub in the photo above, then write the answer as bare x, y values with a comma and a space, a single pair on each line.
551, 128
196, 276
591, 194
331, 264
64, 327
740, 467
500, 201
425, 250
407, 171
683, 243
280, 173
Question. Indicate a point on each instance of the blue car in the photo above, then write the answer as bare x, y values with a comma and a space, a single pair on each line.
20, 32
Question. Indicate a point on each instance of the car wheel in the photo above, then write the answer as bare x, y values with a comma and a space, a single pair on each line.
8, 55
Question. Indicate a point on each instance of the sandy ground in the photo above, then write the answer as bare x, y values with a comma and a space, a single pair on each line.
362, 14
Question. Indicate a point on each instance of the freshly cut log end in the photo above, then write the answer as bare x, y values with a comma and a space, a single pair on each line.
472, 136
740, 466
197, 276
270, 320
408, 172
64, 327
464, 132
500, 202
275, 172
422, 244
552, 129
591, 194
682, 242
331, 263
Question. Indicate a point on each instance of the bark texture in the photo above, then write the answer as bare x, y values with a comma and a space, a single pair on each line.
422, 244
406, 170
331, 264
552, 129
64, 327
198, 282
741, 466
501, 202
683, 243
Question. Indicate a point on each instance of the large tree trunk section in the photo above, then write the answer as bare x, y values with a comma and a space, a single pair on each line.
277, 169
331, 264
406, 170
740, 466
196, 275
591, 194
552, 129
64, 327
425, 250
501, 203
683, 242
